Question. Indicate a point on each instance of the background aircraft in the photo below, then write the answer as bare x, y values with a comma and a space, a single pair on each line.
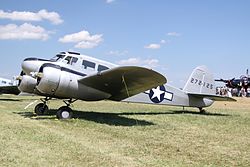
8, 86
73, 76
242, 82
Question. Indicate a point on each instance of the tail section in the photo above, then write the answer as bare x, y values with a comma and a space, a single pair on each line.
199, 91
201, 81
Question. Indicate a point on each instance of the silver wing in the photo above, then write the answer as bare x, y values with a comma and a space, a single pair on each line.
124, 82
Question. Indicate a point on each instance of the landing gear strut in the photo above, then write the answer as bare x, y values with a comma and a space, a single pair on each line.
65, 112
202, 110
42, 108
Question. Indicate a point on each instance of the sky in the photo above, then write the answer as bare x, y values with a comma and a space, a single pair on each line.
169, 36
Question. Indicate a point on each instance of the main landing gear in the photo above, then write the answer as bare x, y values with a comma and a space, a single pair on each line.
64, 112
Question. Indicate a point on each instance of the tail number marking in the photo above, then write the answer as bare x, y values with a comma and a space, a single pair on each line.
200, 83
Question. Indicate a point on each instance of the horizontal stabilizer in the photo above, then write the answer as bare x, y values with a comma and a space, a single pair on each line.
124, 82
213, 97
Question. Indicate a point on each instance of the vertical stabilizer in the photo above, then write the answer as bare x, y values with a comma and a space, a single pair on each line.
201, 81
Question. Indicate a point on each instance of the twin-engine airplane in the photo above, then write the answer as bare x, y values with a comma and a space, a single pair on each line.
73, 76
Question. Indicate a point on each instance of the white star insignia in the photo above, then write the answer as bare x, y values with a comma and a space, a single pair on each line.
157, 93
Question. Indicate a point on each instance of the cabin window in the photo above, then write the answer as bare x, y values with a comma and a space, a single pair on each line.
4, 82
102, 68
87, 64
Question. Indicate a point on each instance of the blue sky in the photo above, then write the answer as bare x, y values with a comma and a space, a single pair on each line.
172, 37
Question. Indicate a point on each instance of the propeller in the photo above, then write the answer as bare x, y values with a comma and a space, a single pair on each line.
20, 77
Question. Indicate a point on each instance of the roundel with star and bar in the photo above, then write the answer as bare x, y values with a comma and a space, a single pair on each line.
157, 95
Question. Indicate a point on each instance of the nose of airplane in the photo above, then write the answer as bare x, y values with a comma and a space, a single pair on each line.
31, 65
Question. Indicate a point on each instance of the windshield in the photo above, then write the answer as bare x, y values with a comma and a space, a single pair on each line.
57, 57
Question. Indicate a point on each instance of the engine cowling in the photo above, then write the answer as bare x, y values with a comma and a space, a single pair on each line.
49, 79
27, 84
56, 81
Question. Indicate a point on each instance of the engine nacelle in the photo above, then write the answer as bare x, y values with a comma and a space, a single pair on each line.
50, 79
27, 84
62, 82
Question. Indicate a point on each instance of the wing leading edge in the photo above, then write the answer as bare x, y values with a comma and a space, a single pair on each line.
124, 82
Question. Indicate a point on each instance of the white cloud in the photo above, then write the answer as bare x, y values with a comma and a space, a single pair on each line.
130, 61
24, 31
153, 46
162, 41
175, 34
109, 1
150, 63
86, 45
43, 14
117, 53
83, 39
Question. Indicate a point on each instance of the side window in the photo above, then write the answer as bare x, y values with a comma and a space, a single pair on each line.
74, 60
87, 64
102, 68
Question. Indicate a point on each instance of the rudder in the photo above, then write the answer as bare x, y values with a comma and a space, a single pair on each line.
201, 81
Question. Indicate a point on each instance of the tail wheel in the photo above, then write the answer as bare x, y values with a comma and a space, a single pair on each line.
41, 109
202, 111
64, 113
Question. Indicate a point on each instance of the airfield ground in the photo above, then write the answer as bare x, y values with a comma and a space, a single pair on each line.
120, 134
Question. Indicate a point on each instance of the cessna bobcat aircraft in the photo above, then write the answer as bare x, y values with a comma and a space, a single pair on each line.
73, 76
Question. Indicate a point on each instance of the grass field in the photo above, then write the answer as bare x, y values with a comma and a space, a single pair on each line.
120, 134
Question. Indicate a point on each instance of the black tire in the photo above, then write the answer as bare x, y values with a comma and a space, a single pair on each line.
41, 109
64, 113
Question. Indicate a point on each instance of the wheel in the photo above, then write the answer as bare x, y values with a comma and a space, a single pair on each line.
64, 113
202, 111
41, 109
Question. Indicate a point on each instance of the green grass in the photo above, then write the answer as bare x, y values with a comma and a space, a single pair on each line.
120, 134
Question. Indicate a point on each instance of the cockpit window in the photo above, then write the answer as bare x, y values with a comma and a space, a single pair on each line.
74, 60
67, 60
57, 57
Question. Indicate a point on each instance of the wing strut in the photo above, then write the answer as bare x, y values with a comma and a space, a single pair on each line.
126, 87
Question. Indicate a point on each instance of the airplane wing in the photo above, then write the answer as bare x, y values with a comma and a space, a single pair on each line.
9, 90
213, 97
124, 82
